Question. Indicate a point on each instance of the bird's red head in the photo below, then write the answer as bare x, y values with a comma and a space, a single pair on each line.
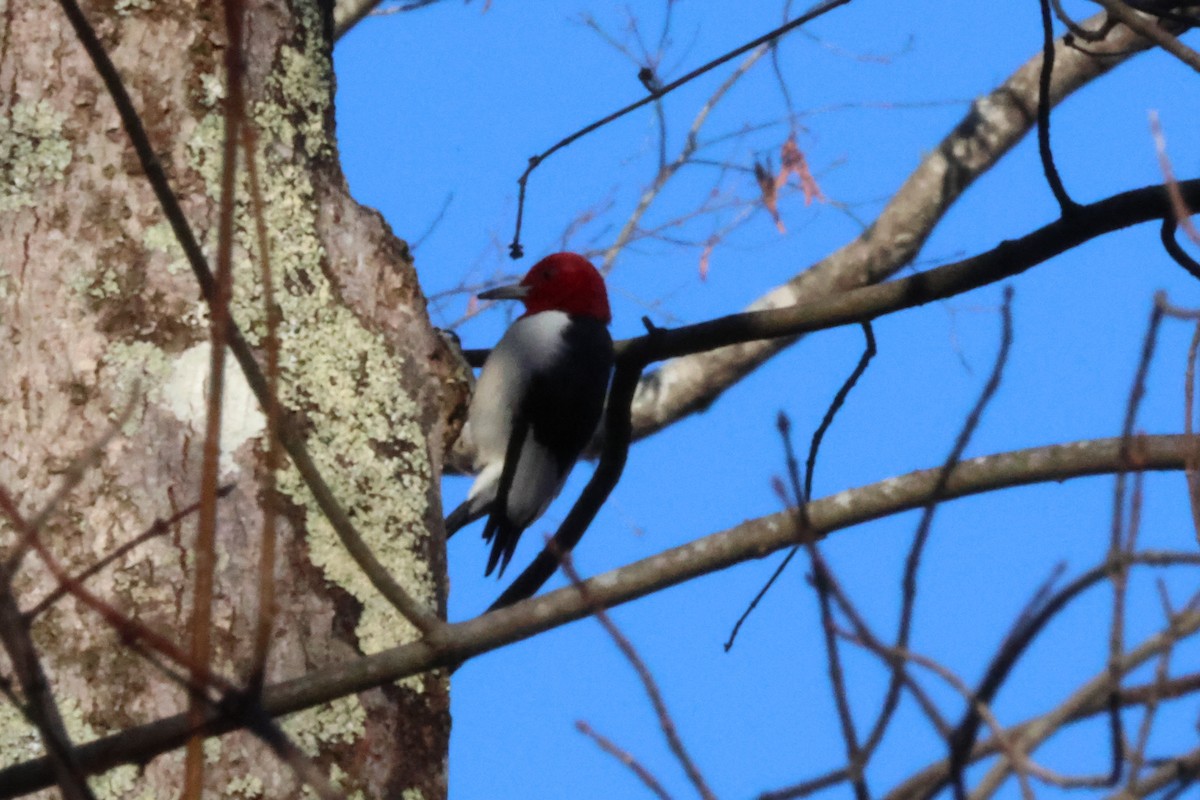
566, 282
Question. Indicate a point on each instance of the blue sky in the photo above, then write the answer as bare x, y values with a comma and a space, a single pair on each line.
449, 102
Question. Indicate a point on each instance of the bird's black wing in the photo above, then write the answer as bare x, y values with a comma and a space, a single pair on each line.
560, 412
500, 529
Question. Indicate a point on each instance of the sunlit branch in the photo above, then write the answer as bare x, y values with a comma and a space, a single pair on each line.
994, 123
750, 540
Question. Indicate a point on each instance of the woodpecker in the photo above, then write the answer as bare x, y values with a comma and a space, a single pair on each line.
538, 399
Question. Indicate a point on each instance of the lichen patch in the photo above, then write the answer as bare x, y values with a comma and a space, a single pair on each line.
33, 152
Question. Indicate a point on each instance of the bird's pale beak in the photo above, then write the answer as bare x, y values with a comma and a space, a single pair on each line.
516, 291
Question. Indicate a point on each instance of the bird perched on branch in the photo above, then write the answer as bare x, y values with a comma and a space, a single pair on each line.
538, 399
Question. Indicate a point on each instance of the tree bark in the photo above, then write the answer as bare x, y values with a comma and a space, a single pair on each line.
99, 312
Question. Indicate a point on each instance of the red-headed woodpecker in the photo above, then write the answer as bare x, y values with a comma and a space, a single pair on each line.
538, 399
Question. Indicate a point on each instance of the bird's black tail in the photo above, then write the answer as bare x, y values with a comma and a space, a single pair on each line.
504, 536
470, 510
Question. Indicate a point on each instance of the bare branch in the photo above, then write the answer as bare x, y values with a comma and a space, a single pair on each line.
1065, 204
266, 562
814, 446
515, 249
994, 124
912, 563
1137, 756
648, 683
824, 582
1149, 27
635, 766
159, 528
859, 305
1090, 699
749, 540
1183, 211
40, 707
205, 546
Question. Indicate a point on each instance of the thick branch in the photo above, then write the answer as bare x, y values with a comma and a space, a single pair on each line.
1009, 258
994, 124
753, 539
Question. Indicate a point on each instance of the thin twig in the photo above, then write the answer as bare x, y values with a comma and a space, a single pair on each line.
1182, 211
1192, 471
748, 540
128, 628
1122, 543
865, 637
1152, 31
1032, 622
979, 707
1137, 755
1066, 205
667, 171
812, 786
266, 559
1010, 258
204, 548
909, 583
838, 401
1092, 698
1075, 28
625, 757
197, 679
515, 249
818, 436
1177, 253
40, 707
1033, 617
72, 476
648, 683
823, 578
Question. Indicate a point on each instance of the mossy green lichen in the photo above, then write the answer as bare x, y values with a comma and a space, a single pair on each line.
33, 152
131, 367
6, 285
340, 373
127, 7
248, 786
20, 741
303, 81
204, 149
160, 238
116, 784
364, 431
340, 721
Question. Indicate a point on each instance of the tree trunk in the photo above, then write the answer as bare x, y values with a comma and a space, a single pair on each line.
100, 313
